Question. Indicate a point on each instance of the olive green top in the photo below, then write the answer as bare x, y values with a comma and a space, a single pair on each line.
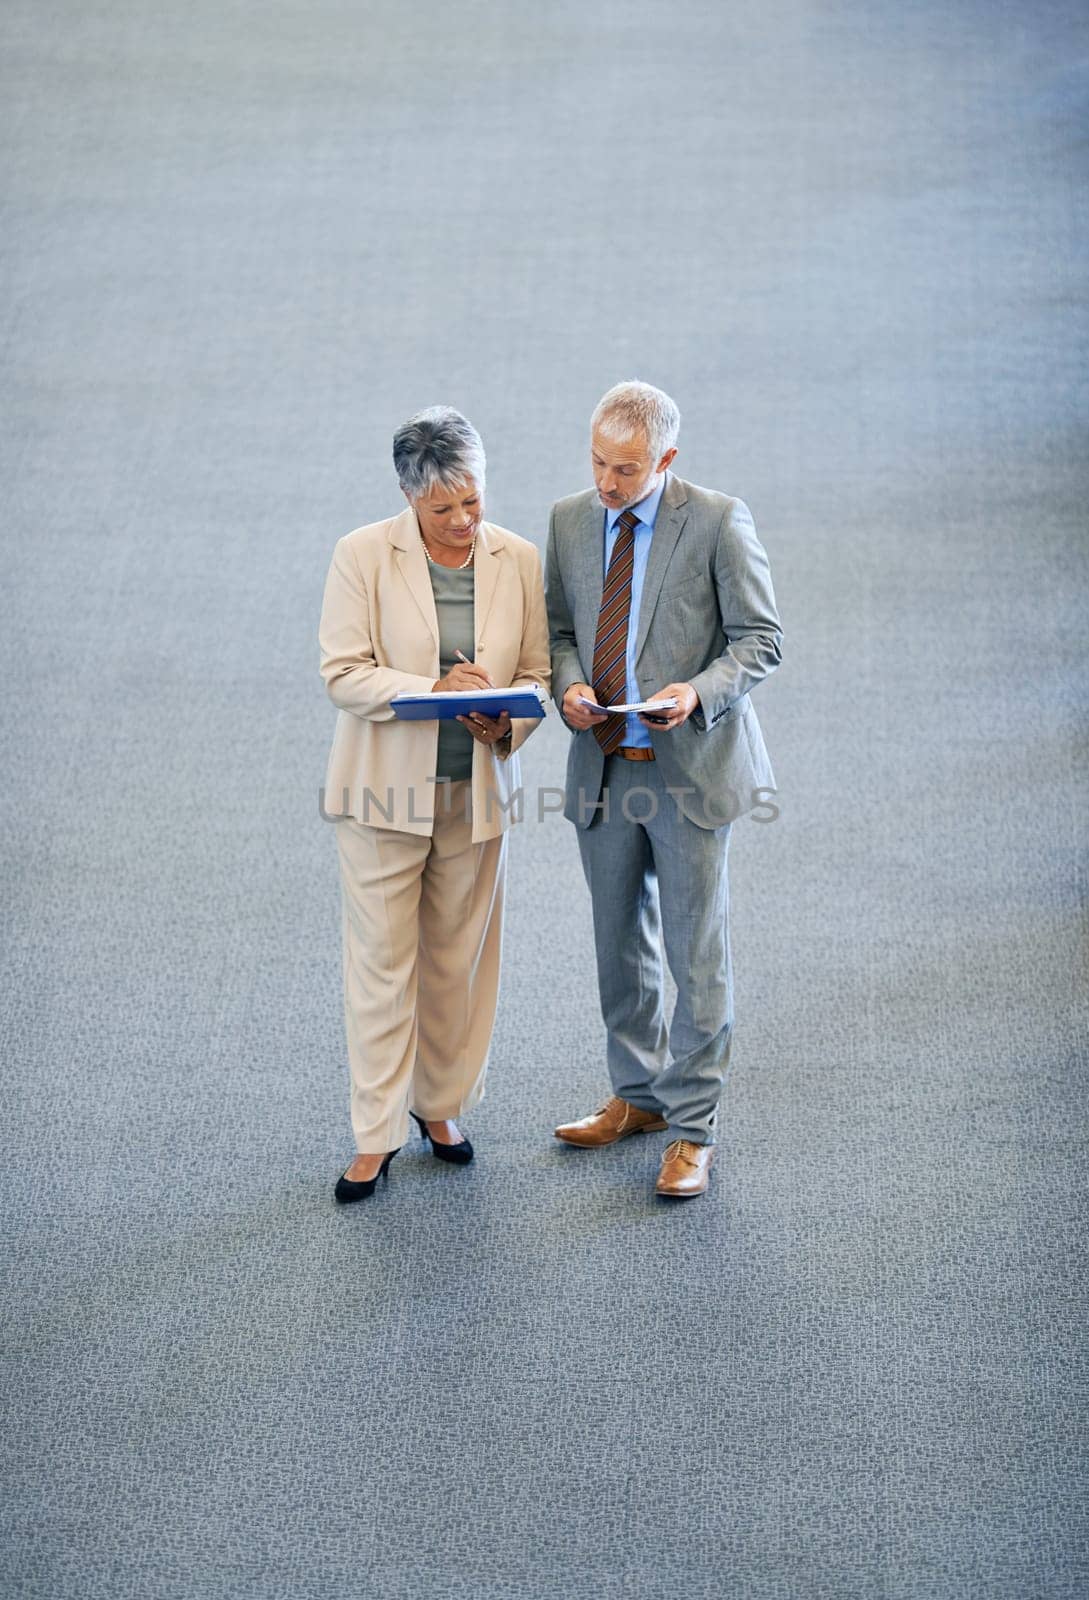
453, 591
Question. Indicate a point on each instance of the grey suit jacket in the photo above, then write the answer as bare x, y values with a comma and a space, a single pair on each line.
707, 618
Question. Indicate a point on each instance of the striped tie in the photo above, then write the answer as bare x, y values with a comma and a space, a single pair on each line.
611, 643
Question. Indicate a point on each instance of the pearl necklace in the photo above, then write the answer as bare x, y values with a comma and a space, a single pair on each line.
461, 564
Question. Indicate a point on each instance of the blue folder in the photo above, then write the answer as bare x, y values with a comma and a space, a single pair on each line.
490, 702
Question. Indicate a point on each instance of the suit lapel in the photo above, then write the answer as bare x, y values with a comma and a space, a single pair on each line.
671, 518
404, 535
487, 564
590, 559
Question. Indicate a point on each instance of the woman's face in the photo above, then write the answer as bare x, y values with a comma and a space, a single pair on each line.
451, 516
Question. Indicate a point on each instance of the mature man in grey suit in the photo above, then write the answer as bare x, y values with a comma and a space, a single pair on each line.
659, 591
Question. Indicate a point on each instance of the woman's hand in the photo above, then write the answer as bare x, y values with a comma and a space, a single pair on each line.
463, 677
487, 730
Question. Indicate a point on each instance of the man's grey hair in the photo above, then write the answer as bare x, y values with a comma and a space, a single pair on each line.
633, 408
437, 448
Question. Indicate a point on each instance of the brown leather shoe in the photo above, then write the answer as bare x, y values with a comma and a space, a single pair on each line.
686, 1168
616, 1120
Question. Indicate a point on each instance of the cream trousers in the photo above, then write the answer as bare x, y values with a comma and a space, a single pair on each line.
422, 928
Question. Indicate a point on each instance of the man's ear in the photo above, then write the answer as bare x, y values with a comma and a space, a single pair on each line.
667, 460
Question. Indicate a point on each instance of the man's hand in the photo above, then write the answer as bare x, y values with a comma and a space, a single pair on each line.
464, 676
486, 730
576, 715
687, 701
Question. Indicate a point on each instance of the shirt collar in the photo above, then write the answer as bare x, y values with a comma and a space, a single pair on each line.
646, 510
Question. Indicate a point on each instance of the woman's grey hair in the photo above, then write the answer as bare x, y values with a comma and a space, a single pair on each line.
437, 448
632, 408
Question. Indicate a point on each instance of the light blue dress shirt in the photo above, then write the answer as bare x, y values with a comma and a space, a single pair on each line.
646, 511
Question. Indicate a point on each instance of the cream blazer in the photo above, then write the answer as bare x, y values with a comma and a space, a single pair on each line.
379, 637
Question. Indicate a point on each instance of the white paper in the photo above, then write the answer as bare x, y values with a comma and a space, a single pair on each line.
653, 706
494, 696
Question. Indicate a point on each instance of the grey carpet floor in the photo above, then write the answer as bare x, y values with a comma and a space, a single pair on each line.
239, 244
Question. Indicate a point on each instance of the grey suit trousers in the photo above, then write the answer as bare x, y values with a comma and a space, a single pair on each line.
655, 877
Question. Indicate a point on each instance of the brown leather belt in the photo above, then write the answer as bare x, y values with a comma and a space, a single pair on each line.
634, 752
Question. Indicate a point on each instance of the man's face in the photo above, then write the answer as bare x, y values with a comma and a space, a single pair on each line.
624, 472
451, 517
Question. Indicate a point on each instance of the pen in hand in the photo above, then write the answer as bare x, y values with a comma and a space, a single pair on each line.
478, 721
468, 675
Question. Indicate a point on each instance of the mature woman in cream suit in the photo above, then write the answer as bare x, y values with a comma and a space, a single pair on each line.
433, 599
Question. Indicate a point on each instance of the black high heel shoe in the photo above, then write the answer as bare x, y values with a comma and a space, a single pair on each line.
459, 1154
348, 1190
